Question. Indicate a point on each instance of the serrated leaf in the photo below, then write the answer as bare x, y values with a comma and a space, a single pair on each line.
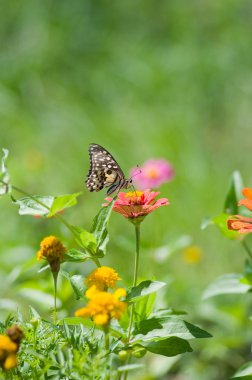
154, 329
38, 205
62, 202
5, 187
227, 284
143, 289
168, 347
233, 194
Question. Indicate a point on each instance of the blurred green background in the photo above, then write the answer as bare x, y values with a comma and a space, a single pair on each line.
145, 79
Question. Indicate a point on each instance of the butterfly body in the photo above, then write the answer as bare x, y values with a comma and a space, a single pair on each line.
104, 171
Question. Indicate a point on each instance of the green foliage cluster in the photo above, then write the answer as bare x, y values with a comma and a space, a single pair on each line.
69, 349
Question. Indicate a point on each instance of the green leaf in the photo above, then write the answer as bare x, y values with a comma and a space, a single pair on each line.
245, 372
5, 187
160, 328
227, 284
100, 227
233, 194
71, 321
86, 240
38, 205
76, 256
144, 306
168, 347
143, 289
130, 367
77, 282
62, 202
160, 313
221, 222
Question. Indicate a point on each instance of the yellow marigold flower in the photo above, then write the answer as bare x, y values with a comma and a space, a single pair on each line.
50, 249
192, 254
101, 319
103, 278
120, 292
10, 361
91, 291
103, 306
8, 351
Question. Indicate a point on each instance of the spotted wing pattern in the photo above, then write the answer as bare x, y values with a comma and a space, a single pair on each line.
104, 171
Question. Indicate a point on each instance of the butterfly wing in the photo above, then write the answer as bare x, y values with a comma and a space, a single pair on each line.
104, 170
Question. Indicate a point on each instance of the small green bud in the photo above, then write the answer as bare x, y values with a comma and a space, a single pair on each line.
138, 351
34, 322
123, 354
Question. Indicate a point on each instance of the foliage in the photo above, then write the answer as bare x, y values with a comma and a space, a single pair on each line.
68, 348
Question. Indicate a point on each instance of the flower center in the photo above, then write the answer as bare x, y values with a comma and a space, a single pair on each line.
135, 197
136, 193
152, 173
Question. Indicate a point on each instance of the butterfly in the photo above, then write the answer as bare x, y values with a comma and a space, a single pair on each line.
104, 171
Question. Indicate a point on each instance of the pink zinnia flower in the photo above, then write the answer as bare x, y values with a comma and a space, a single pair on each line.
241, 223
152, 174
137, 204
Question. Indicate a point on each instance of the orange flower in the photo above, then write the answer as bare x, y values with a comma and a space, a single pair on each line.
137, 204
241, 223
52, 250
247, 202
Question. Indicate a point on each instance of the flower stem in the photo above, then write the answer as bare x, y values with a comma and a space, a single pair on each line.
106, 338
137, 234
55, 277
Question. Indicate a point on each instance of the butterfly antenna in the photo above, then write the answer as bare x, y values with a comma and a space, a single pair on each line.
134, 175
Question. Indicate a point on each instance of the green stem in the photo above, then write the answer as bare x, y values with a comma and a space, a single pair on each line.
137, 234
106, 338
55, 277
247, 249
59, 217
